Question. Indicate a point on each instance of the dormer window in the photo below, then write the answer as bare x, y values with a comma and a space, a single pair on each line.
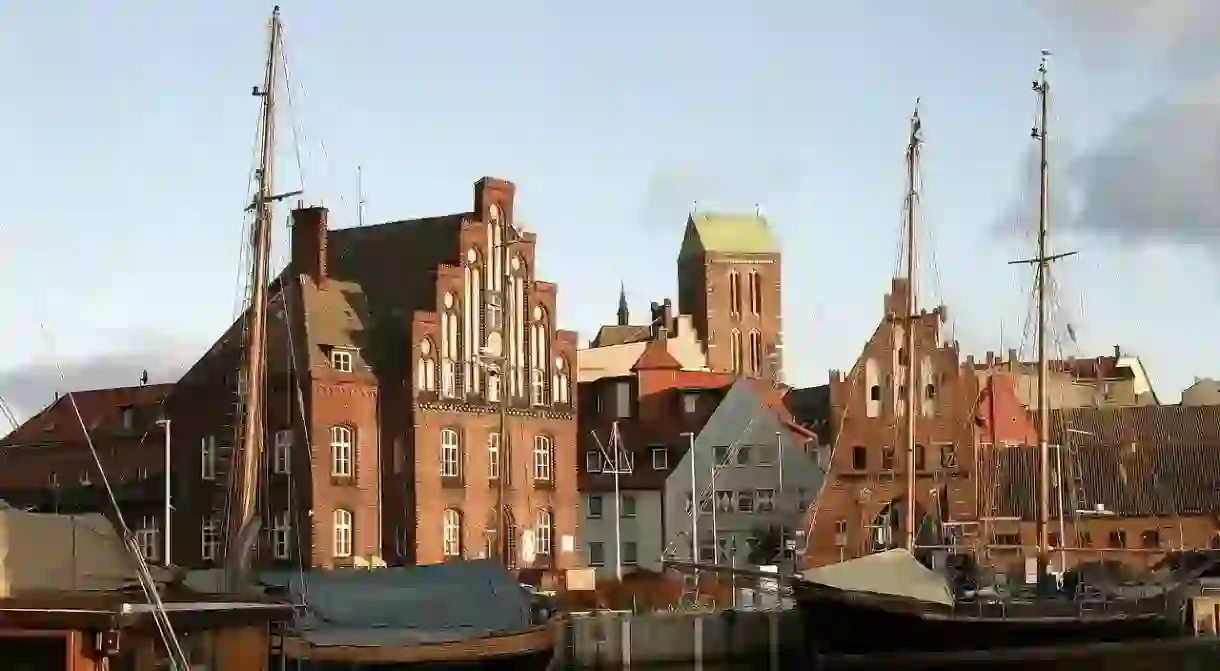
129, 417
342, 360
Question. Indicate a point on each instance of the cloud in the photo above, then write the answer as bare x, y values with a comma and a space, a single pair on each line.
1153, 177
32, 386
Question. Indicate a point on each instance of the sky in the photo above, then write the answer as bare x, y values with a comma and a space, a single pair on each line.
128, 127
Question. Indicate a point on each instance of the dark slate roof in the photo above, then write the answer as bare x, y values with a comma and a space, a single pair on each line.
377, 277
1145, 461
613, 334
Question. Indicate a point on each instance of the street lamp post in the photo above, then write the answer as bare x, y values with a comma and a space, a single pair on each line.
165, 424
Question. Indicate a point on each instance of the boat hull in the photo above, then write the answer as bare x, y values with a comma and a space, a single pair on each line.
851, 623
517, 650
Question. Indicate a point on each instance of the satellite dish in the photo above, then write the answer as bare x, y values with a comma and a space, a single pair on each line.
527, 546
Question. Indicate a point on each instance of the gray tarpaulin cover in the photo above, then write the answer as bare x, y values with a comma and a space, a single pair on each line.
892, 573
401, 606
42, 552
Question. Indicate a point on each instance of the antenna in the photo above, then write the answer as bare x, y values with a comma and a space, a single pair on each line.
359, 195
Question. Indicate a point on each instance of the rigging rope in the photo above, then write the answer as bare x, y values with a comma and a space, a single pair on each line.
144, 575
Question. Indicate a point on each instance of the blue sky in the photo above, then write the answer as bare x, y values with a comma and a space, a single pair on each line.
128, 127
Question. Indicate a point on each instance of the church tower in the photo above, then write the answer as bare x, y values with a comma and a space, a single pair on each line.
729, 281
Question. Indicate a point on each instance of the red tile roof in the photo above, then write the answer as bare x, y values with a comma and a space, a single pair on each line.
656, 356
100, 409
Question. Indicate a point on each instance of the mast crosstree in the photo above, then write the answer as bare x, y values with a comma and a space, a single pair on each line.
243, 533
1042, 280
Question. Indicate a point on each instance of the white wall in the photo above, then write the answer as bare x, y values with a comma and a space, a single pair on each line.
644, 530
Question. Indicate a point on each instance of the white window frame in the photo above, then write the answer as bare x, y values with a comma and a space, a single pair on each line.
209, 539
542, 532
342, 451
537, 386
622, 399
281, 535
626, 511
129, 418
601, 547
451, 533
451, 453
493, 456
207, 458
343, 531
593, 461
342, 359
764, 500
631, 553
663, 463
544, 453
494, 386
148, 538
448, 378
282, 462
600, 507
690, 403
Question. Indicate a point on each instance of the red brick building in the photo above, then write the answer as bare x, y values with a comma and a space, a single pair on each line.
382, 439
1144, 476
46, 463
729, 281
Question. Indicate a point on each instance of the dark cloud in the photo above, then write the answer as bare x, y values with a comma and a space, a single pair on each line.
1153, 177
30, 387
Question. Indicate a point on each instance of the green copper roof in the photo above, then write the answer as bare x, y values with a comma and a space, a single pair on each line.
728, 234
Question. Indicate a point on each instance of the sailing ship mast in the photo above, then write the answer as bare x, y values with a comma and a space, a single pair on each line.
1042, 262
244, 532
912, 316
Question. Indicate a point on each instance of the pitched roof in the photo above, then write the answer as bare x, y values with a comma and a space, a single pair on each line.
613, 334
656, 356
377, 277
101, 410
1142, 461
727, 233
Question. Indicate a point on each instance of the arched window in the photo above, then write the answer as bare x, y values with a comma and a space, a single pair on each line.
472, 318
451, 454
756, 353
734, 292
540, 337
735, 353
450, 345
755, 293
342, 520
342, 451
517, 319
451, 544
559, 382
542, 532
425, 376
544, 455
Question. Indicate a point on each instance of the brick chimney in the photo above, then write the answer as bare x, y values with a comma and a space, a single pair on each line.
309, 242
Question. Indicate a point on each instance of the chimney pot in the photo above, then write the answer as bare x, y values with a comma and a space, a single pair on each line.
1118, 351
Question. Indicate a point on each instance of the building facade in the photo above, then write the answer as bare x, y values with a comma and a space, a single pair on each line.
729, 281
391, 351
754, 478
652, 409
47, 465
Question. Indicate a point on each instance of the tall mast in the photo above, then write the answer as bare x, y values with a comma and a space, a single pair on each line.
1042, 262
911, 323
244, 533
